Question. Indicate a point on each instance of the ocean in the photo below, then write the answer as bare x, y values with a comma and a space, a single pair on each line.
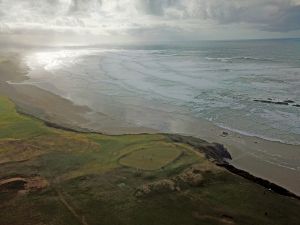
232, 84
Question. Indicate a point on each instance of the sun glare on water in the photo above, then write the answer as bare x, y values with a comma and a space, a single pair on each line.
52, 60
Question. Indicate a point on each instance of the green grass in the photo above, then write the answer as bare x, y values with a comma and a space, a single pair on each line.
14, 125
65, 155
151, 156
97, 175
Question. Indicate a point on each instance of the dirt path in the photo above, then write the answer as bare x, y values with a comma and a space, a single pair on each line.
79, 218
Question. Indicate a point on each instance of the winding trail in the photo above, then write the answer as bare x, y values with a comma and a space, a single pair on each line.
81, 219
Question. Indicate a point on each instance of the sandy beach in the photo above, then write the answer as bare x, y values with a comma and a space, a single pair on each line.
251, 154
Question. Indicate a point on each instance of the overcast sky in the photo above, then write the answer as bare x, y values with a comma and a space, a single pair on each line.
151, 20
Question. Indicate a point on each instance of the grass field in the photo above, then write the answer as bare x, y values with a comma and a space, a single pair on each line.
151, 156
91, 179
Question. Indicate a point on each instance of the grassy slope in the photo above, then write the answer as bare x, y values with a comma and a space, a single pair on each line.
89, 186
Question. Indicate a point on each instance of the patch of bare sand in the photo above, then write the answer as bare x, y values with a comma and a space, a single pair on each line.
23, 185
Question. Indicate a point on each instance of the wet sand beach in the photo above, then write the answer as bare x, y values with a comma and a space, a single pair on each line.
274, 161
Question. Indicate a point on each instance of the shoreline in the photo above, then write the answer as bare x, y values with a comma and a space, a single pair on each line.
118, 173
61, 112
219, 159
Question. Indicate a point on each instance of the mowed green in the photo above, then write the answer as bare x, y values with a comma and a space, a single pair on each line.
153, 156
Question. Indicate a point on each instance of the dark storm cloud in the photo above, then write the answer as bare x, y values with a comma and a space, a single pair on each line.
287, 22
271, 15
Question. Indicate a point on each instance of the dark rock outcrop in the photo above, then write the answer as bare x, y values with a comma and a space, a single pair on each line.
220, 155
267, 184
289, 101
213, 151
271, 101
